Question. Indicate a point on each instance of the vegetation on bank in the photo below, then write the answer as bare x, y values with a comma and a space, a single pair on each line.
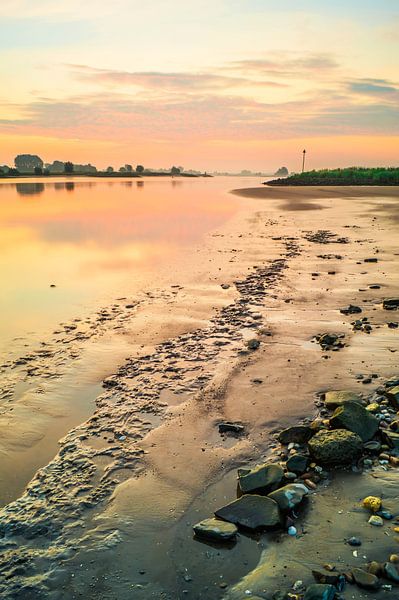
347, 176
27, 165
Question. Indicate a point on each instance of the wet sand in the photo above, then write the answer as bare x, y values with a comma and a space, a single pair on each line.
111, 515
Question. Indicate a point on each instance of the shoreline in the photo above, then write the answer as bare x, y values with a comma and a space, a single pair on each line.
290, 317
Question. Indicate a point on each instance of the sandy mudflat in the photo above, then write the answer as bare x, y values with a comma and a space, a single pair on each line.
111, 515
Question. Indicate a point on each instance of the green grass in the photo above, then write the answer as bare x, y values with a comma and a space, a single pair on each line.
348, 176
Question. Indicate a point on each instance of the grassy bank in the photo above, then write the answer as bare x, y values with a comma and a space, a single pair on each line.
348, 176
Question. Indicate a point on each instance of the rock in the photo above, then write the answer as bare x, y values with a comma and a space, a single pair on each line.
393, 382
365, 580
374, 407
289, 496
390, 303
350, 310
375, 568
391, 572
299, 434
252, 512
373, 446
253, 344
392, 439
214, 529
385, 514
337, 447
330, 340
321, 576
355, 418
354, 541
372, 503
392, 395
297, 463
227, 427
371, 260
320, 591
376, 521
261, 479
337, 398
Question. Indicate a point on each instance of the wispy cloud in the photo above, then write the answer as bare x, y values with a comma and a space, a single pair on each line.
375, 87
158, 80
283, 65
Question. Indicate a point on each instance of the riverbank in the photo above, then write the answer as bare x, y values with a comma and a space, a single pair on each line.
115, 509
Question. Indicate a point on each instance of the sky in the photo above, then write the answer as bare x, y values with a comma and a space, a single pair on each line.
211, 85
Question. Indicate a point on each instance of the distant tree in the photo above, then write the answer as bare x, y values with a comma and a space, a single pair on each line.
38, 171
110, 169
128, 168
12, 171
28, 162
139, 169
122, 170
175, 171
282, 172
46, 171
68, 167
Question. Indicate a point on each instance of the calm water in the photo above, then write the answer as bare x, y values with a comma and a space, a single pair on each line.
94, 240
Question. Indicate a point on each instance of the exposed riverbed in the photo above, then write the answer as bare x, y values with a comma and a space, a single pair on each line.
142, 460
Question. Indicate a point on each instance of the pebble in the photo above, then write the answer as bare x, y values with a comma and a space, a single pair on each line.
373, 503
376, 521
354, 541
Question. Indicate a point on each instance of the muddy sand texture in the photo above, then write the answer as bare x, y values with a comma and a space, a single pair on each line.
114, 509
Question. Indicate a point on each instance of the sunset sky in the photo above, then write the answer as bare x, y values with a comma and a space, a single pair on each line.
221, 84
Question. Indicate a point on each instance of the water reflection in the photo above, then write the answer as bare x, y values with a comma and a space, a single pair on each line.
29, 189
95, 239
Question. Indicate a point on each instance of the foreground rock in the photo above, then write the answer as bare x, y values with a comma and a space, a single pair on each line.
252, 512
365, 580
299, 434
261, 479
289, 496
355, 418
320, 591
334, 399
215, 529
392, 395
297, 463
390, 303
337, 447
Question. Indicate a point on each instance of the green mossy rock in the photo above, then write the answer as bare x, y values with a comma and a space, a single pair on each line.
355, 418
336, 447
337, 398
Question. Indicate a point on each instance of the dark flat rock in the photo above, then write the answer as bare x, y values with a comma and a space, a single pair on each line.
252, 512
299, 434
261, 479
